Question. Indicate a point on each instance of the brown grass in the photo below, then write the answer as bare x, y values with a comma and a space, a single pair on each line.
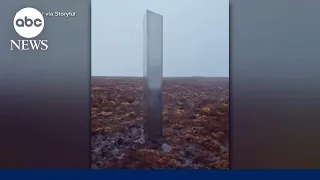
195, 121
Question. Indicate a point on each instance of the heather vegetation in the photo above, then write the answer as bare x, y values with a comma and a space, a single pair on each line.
195, 124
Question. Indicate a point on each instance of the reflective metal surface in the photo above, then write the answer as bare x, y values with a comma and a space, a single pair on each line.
152, 72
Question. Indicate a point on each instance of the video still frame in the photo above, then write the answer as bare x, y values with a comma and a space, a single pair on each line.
160, 85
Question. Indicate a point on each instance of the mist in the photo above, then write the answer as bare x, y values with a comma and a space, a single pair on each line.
196, 37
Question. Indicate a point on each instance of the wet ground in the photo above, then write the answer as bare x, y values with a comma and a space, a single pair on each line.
195, 124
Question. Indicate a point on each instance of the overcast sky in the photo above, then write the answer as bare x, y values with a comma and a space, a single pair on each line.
196, 37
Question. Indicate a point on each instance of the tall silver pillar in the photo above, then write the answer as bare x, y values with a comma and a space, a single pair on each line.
152, 73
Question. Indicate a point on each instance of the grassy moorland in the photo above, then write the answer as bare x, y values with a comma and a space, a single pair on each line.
195, 124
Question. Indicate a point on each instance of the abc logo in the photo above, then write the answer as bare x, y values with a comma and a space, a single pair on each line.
28, 22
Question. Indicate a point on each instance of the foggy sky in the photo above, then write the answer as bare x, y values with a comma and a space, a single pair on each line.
196, 37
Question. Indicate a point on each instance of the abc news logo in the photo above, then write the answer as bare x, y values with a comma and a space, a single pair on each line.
28, 23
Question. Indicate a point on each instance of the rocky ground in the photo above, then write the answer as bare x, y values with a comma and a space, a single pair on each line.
195, 124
